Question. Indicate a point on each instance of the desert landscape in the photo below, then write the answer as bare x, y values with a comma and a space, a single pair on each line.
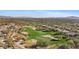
39, 33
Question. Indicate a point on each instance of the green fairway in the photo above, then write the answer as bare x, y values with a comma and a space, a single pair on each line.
33, 33
43, 41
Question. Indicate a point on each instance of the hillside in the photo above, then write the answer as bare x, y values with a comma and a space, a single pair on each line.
39, 33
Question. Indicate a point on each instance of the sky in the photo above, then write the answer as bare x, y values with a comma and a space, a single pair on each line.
39, 13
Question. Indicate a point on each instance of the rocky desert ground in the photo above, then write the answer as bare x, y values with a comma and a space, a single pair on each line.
39, 33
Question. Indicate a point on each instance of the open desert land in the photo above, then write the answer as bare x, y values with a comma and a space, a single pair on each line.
39, 33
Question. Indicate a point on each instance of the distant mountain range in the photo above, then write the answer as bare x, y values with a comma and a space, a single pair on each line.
72, 17
68, 17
